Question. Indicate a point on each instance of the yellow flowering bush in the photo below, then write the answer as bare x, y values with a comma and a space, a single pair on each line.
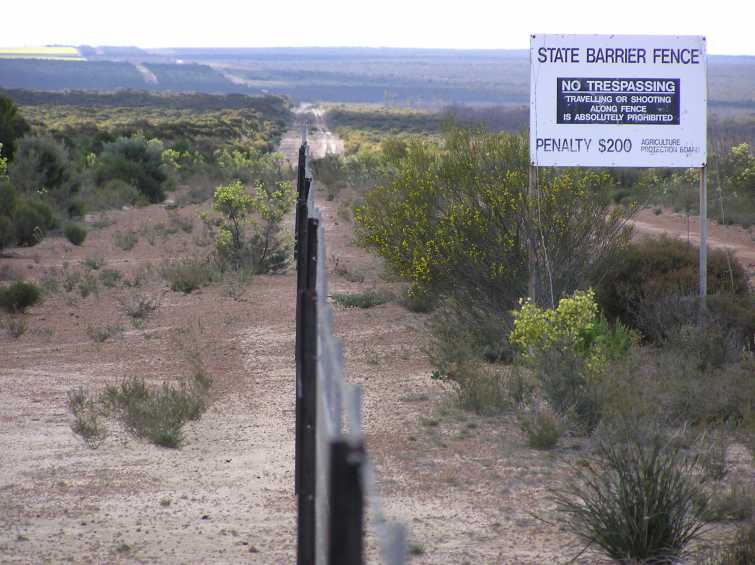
576, 321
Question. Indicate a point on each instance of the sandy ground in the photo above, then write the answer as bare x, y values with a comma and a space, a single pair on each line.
226, 493
468, 487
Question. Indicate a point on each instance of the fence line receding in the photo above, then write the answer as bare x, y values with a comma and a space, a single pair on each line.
334, 478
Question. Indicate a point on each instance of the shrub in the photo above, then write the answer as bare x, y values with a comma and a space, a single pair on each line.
76, 208
110, 277
635, 502
266, 250
158, 413
87, 417
12, 127
482, 388
741, 551
18, 296
542, 426
139, 307
8, 198
100, 334
188, 274
462, 332
16, 327
651, 270
75, 233
417, 301
125, 240
30, 225
137, 162
7, 232
735, 502
455, 217
41, 163
575, 320
569, 386
87, 285
115, 193
94, 262
366, 299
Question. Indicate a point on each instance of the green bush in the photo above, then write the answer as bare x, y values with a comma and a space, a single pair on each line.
137, 162
110, 277
46, 211
139, 307
189, 274
75, 233
41, 163
76, 208
647, 272
366, 299
671, 387
7, 232
12, 127
30, 225
636, 502
455, 217
266, 250
541, 425
8, 198
87, 417
484, 388
115, 193
125, 240
159, 413
461, 332
18, 296
569, 386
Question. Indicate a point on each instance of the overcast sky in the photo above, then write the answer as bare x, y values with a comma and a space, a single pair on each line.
495, 24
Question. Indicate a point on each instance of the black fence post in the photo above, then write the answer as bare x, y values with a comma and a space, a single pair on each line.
300, 239
346, 531
308, 399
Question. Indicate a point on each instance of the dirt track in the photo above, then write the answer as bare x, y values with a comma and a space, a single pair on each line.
735, 238
320, 139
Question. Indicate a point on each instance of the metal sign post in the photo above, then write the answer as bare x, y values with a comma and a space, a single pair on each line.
531, 263
703, 233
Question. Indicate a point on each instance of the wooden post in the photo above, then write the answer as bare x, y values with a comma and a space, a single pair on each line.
531, 262
703, 234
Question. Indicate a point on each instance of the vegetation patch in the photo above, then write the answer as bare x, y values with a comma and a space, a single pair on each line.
635, 502
75, 233
139, 307
18, 296
367, 299
158, 413
189, 274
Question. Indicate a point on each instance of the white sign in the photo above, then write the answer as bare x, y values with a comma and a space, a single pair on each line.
618, 101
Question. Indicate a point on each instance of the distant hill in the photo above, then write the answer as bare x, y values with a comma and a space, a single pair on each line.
405, 77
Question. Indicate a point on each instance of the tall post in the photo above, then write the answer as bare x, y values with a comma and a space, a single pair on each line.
703, 233
531, 262
306, 527
346, 529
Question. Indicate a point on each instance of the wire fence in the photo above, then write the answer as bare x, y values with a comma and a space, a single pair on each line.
334, 480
